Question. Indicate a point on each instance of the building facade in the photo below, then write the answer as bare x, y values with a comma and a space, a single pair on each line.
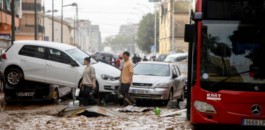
84, 26
181, 17
130, 30
6, 21
26, 28
47, 34
95, 38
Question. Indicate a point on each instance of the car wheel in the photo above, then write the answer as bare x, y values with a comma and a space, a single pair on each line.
94, 92
182, 96
14, 77
170, 97
55, 96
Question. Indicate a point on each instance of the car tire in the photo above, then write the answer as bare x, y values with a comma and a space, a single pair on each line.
56, 97
7, 102
13, 73
182, 96
170, 97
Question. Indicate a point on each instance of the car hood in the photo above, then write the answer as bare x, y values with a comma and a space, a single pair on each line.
149, 79
107, 69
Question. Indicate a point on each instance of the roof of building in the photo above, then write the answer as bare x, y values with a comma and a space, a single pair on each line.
182, 6
59, 20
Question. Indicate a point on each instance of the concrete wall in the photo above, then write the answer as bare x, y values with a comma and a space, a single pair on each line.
57, 31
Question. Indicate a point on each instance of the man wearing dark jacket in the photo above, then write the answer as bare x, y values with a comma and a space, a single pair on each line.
134, 59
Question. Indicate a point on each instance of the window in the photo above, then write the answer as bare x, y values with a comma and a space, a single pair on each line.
59, 56
46, 38
174, 71
177, 70
152, 69
79, 55
33, 51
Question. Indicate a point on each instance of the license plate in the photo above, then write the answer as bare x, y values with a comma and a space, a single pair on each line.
141, 91
251, 122
25, 94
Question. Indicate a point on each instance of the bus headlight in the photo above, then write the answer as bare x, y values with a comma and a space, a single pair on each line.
204, 107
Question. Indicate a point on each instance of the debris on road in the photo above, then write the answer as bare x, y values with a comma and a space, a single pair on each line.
182, 112
157, 111
93, 111
173, 104
132, 108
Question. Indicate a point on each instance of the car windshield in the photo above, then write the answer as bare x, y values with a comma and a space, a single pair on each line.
232, 47
79, 55
151, 69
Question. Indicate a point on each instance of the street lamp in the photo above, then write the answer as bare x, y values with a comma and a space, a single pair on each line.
145, 6
136, 15
73, 4
140, 10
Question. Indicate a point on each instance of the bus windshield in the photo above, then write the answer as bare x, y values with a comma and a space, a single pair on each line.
231, 47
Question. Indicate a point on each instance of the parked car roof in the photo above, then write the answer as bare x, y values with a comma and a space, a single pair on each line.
179, 54
55, 45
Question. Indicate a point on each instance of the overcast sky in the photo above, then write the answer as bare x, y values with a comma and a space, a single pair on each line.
108, 14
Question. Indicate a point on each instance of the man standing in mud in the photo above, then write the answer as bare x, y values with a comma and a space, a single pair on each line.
126, 79
88, 83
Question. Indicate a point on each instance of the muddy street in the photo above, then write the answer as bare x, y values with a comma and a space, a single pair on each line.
44, 116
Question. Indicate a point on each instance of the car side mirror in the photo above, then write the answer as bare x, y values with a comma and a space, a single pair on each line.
174, 76
73, 63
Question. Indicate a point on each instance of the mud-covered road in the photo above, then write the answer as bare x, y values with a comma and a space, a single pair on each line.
44, 116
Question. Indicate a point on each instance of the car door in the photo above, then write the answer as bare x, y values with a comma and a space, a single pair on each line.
33, 62
59, 70
180, 81
175, 81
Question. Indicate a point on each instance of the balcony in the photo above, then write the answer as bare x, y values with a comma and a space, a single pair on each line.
5, 17
30, 7
29, 29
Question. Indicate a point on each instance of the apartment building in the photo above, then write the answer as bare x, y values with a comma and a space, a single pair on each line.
6, 20
25, 31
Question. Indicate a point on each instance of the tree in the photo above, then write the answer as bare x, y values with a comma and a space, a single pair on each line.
118, 42
145, 34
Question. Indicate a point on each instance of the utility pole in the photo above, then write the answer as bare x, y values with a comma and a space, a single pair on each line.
43, 20
74, 31
62, 23
53, 20
13, 21
173, 27
35, 20
155, 28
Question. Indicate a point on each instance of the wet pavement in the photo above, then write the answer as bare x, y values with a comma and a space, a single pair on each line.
44, 116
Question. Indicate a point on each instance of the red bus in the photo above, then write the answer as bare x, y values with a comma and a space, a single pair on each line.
226, 71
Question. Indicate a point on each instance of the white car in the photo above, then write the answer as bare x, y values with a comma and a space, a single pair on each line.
53, 63
176, 57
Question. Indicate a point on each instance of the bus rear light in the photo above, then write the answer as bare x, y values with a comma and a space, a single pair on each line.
204, 107
251, 74
4, 56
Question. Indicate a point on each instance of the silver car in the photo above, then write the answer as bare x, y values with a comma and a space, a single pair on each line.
157, 81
